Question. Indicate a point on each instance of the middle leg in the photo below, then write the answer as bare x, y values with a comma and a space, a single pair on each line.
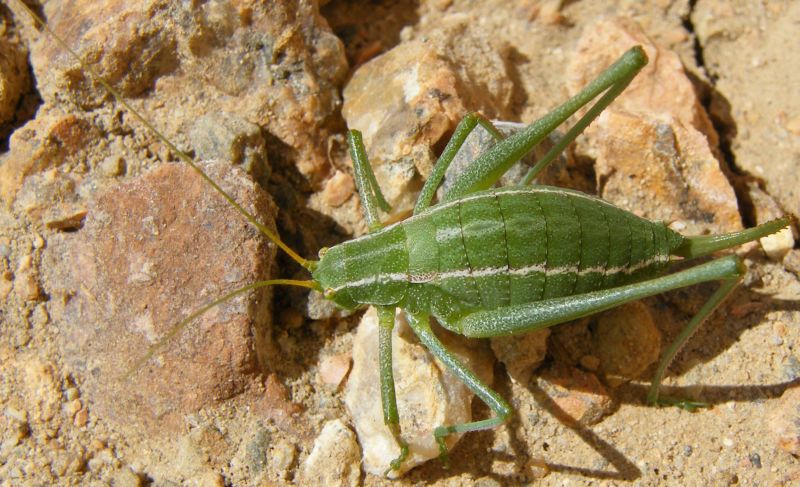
501, 409
464, 128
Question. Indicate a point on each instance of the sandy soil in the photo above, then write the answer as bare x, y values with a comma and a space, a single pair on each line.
100, 255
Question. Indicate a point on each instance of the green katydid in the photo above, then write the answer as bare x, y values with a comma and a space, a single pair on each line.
474, 261
490, 262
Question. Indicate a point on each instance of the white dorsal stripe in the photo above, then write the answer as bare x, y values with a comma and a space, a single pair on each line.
497, 271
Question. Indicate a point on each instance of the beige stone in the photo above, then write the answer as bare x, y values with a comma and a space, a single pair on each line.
428, 395
335, 459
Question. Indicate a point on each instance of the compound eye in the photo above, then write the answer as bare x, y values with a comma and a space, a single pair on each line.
322, 252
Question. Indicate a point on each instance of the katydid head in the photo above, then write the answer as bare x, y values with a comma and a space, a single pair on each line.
331, 276
372, 269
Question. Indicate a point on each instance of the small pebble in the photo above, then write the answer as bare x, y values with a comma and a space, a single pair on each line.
81, 418
126, 478
793, 125
590, 362
626, 340
17, 415
281, 456
112, 166
27, 285
521, 354
334, 368
338, 189
71, 393
67, 218
579, 394
678, 226
755, 459
335, 459
72, 407
777, 245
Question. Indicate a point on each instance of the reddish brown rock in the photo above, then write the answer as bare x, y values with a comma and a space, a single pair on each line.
626, 340
664, 171
655, 147
152, 251
577, 393
604, 41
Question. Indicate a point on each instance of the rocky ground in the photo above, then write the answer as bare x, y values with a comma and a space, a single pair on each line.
108, 241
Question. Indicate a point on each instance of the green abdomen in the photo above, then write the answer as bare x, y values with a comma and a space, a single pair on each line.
518, 245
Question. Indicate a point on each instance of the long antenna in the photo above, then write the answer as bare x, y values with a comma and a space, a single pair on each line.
181, 154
